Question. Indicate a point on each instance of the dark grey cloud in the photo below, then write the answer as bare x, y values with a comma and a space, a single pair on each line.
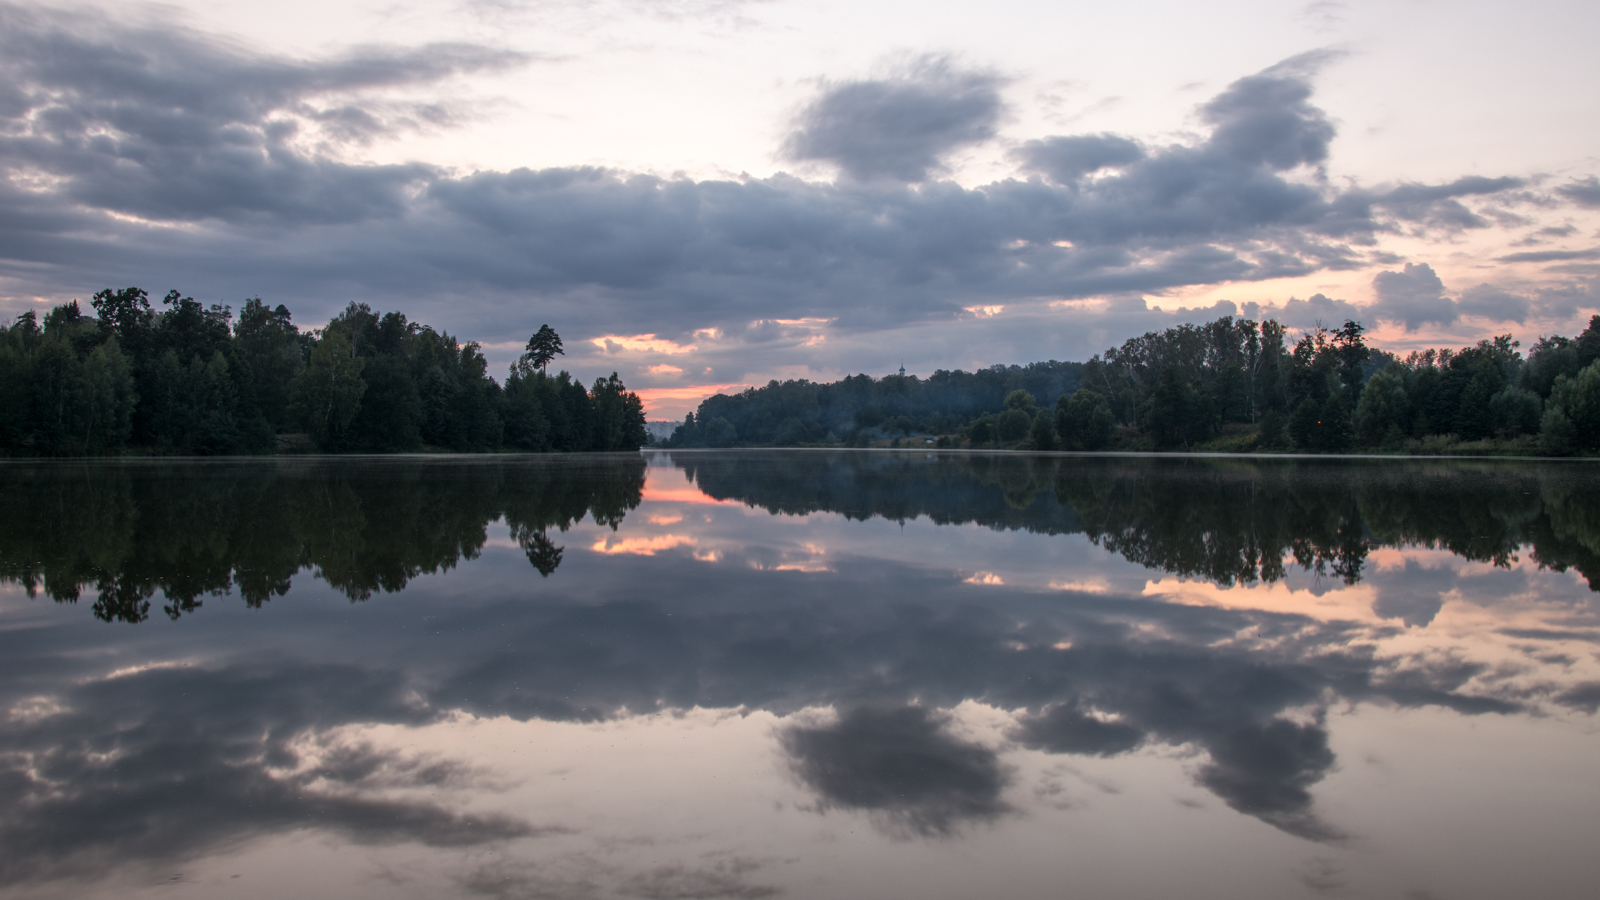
1585, 696
1268, 120
1066, 160
1438, 206
172, 127
900, 127
165, 124
902, 764
1585, 192
1413, 297
1068, 728
1549, 255
1491, 302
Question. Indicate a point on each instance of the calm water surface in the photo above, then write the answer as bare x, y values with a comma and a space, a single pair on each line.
799, 674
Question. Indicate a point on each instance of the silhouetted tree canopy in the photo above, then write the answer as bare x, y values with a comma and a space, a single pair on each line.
1231, 384
189, 379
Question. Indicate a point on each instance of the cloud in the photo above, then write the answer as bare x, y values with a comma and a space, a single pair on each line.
1067, 728
164, 124
1585, 192
1066, 160
1491, 302
124, 777
1413, 297
1267, 119
900, 127
139, 155
1107, 672
1549, 256
1318, 309
1436, 205
718, 878
900, 763
1265, 771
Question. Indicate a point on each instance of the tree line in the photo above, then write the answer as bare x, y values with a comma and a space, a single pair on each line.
860, 408
192, 379
1227, 385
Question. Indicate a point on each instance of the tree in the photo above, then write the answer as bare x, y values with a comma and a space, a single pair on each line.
109, 397
266, 349
720, 433
1043, 432
1384, 411
543, 346
330, 389
541, 551
1172, 416
1013, 424
1351, 352
1574, 409
1083, 420
1516, 412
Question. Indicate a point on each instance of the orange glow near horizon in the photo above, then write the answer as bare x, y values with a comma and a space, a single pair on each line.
688, 397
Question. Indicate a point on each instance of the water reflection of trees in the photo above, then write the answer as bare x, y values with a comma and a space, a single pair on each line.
1230, 521
129, 530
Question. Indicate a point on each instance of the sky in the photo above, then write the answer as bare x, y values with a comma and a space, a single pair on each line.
706, 194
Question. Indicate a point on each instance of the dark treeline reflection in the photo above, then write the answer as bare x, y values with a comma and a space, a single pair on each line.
154, 764
127, 530
1227, 520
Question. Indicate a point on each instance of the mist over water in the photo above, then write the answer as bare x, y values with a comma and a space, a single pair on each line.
797, 673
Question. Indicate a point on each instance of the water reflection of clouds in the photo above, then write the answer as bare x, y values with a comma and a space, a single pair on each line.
860, 667
901, 764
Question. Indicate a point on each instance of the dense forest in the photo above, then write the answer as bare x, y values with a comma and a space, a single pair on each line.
860, 408
191, 379
1228, 385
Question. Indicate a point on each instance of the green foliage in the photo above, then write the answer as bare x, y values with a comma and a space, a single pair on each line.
543, 347
864, 408
1271, 435
1384, 412
721, 433
1515, 412
1574, 412
1043, 433
1175, 413
186, 379
1013, 425
328, 392
1083, 421
1557, 437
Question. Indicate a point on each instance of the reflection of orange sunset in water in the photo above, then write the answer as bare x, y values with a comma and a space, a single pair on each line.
642, 546
664, 485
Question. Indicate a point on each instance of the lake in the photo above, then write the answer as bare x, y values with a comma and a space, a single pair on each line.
809, 674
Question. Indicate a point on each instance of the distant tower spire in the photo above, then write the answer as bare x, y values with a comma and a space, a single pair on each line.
902, 368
